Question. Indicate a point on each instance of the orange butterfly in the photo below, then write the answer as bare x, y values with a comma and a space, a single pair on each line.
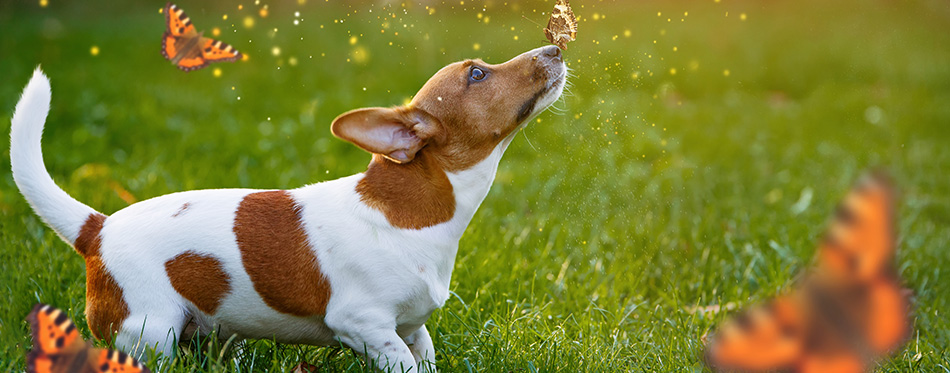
186, 48
57, 347
845, 316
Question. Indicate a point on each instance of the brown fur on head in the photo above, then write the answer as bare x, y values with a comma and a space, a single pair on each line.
463, 112
455, 121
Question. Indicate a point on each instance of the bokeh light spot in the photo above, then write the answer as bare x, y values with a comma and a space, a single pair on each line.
359, 55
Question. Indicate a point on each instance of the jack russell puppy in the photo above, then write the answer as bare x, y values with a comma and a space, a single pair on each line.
363, 260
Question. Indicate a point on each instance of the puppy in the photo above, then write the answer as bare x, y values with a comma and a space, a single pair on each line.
363, 260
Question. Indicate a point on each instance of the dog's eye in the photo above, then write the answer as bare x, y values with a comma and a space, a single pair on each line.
477, 74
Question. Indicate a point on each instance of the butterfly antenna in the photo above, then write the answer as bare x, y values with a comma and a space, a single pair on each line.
531, 20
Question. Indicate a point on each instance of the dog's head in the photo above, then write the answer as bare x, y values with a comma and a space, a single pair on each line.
462, 113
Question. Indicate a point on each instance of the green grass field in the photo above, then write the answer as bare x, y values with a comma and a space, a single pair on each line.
694, 161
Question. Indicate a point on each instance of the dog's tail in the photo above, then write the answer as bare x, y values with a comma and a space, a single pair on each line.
63, 213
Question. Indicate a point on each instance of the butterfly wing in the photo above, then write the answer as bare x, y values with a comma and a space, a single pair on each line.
218, 51
552, 36
888, 324
177, 22
570, 20
765, 337
169, 48
832, 363
562, 26
53, 331
56, 341
36, 362
191, 63
860, 243
59, 364
105, 360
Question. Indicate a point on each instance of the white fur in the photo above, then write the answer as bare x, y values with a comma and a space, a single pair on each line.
359, 251
60, 211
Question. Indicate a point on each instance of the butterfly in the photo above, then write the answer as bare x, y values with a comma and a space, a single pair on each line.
845, 315
187, 48
562, 26
57, 347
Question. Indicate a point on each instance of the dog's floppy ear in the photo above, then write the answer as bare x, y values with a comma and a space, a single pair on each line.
395, 133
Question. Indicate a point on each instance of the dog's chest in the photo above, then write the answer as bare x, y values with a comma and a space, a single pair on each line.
419, 305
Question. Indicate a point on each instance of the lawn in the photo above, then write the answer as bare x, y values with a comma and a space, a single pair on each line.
693, 162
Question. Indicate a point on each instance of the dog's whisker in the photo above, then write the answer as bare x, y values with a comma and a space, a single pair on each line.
528, 140
557, 110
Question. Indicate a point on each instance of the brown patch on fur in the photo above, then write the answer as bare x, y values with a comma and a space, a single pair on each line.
105, 307
277, 255
414, 195
87, 244
201, 279
181, 209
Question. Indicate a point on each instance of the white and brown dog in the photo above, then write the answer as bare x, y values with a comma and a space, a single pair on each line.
363, 260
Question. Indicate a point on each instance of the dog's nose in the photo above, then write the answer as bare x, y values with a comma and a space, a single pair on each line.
552, 52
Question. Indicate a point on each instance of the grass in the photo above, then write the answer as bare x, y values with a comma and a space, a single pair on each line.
694, 161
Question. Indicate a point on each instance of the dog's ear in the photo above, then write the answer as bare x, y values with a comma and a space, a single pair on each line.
395, 133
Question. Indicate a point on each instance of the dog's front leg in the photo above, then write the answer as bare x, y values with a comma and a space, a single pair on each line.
376, 341
384, 349
420, 344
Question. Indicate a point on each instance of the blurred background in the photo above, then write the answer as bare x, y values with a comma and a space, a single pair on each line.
692, 162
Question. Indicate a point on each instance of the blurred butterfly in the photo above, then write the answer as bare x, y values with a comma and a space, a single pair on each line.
845, 316
562, 26
57, 347
187, 48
